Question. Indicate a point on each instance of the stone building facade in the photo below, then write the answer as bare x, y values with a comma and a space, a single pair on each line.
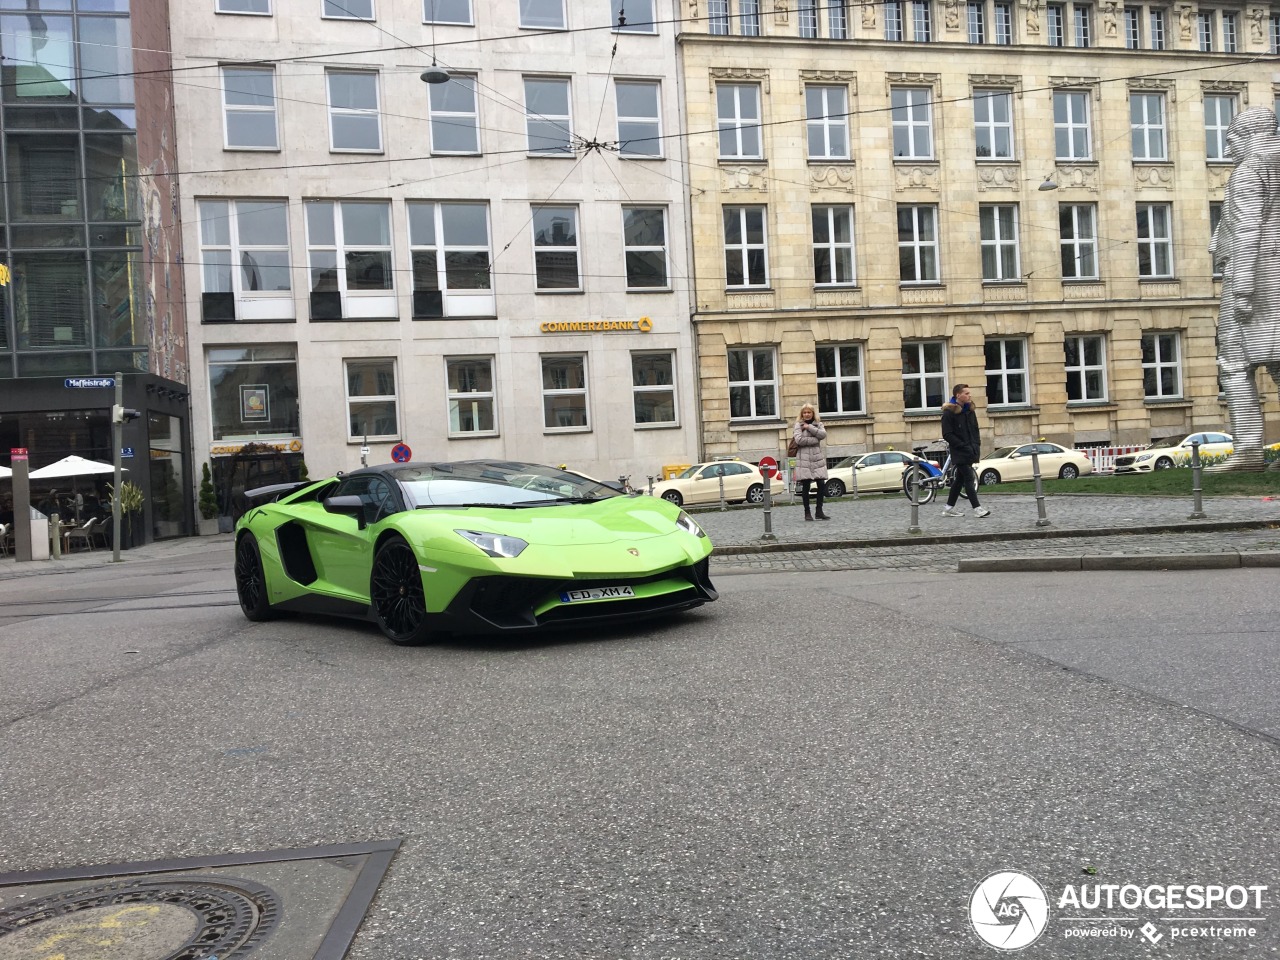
889, 198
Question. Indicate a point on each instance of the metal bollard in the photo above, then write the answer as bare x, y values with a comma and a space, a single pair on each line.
1042, 519
854, 480
722, 506
651, 484
768, 506
915, 498
623, 482
1197, 506
55, 536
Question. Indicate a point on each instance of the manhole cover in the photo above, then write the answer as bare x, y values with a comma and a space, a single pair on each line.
164, 918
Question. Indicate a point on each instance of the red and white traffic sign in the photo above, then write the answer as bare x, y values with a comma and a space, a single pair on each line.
769, 467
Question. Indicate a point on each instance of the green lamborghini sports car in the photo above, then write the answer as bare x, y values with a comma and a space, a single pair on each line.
424, 549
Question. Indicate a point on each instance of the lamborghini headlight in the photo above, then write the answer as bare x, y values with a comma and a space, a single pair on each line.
689, 525
494, 544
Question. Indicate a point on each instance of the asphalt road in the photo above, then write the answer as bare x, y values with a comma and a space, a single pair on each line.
820, 765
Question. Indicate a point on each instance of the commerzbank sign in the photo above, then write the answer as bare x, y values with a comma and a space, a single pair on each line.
643, 325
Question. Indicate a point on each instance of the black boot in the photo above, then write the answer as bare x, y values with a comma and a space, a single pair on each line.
820, 515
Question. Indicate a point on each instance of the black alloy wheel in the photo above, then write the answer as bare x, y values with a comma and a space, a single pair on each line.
251, 585
395, 591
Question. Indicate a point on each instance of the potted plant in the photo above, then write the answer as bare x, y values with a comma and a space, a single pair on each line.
131, 499
208, 504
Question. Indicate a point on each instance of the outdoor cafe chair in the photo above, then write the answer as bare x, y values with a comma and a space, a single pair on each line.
4, 539
83, 533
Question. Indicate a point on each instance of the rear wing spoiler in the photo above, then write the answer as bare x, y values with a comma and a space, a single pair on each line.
272, 493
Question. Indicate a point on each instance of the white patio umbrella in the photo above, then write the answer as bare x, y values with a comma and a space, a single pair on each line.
72, 466
5, 472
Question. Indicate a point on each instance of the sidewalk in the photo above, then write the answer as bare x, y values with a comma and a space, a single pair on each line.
872, 532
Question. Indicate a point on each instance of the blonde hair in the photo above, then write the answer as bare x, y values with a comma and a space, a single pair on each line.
807, 406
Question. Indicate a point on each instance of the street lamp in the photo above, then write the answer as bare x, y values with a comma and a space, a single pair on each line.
435, 74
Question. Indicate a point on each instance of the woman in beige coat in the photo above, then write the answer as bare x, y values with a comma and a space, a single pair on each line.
811, 458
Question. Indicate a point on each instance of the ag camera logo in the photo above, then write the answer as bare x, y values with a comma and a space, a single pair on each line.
1009, 910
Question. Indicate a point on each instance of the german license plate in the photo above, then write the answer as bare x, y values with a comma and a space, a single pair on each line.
596, 593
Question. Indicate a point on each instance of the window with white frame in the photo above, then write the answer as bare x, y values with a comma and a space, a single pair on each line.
833, 259
564, 391
911, 113
555, 248
840, 391
807, 18
908, 20
348, 9
1204, 30
1273, 34
470, 396
1219, 110
1230, 31
1082, 20
827, 119
1078, 233
837, 20
644, 244
738, 120
1147, 126
976, 21
249, 108
753, 383
542, 14
639, 118
1071, 126
634, 16
1003, 23
993, 124
372, 407
721, 19
998, 226
1055, 16
1086, 369
653, 387
244, 253
454, 116
1156, 22
259, 7
1161, 366
745, 251
349, 259
1155, 240
1215, 217
917, 243
1133, 28
354, 123
749, 18
1006, 371
924, 374
548, 122
718, 18
450, 253
447, 11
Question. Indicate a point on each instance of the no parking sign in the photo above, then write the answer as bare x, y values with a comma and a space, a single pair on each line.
401, 453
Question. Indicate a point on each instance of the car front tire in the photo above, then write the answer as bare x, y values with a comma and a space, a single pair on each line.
396, 595
251, 584
989, 477
1069, 471
755, 493
1164, 463
673, 496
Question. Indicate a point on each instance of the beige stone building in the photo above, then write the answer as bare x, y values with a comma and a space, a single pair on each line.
888, 198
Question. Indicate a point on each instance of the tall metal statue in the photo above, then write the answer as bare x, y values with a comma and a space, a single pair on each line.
1246, 250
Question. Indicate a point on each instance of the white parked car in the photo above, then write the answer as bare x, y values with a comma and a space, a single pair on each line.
1014, 463
700, 483
877, 472
1174, 453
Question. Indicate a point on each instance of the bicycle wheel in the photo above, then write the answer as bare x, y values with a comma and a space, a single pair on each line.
927, 488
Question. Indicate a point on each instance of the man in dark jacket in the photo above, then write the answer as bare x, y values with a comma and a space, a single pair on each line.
960, 430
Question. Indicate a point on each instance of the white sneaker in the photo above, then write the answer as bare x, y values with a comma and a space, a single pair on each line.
982, 512
952, 512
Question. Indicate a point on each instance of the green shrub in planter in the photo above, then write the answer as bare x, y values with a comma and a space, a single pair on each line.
208, 501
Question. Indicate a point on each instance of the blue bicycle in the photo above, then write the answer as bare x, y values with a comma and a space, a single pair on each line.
924, 478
